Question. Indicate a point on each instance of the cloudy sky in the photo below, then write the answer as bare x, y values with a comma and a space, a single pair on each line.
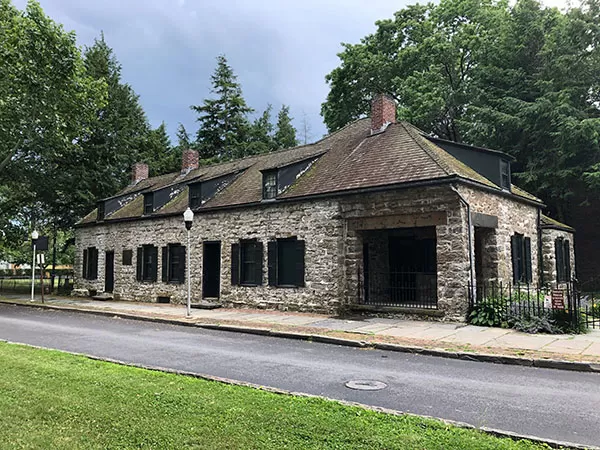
281, 50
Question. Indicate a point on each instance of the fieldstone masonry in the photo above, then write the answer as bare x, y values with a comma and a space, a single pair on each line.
549, 235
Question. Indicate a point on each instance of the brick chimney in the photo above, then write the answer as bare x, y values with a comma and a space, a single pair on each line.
139, 172
383, 112
189, 161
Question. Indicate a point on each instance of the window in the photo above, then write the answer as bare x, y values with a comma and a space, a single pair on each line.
173, 264
147, 263
505, 174
286, 262
149, 203
521, 258
562, 250
195, 195
247, 263
270, 184
101, 212
90, 263
127, 257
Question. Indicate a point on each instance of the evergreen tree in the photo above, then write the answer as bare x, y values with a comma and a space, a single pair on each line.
285, 136
224, 127
158, 153
261, 134
183, 138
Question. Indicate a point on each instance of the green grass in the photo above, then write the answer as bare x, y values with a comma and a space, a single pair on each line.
50, 399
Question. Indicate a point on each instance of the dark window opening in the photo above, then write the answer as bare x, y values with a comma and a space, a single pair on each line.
286, 262
505, 174
521, 259
562, 250
270, 184
173, 264
127, 257
90, 263
101, 212
195, 195
247, 263
149, 203
147, 263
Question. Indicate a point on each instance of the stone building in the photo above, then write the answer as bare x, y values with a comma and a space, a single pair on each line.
377, 215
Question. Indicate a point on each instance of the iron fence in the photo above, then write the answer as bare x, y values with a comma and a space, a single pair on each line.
18, 284
400, 289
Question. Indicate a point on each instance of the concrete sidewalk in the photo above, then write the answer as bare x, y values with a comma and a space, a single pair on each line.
450, 337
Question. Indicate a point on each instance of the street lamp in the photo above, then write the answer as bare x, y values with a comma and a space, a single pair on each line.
188, 218
34, 238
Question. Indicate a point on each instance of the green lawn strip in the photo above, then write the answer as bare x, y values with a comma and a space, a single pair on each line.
51, 399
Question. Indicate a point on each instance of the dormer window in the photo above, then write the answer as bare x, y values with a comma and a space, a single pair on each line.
149, 203
505, 174
101, 212
195, 195
269, 184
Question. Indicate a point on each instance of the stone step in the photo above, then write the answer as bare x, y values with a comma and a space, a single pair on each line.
103, 296
205, 305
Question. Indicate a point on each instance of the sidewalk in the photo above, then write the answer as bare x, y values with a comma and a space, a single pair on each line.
456, 339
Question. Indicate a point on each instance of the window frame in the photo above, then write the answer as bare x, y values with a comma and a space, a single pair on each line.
127, 257
521, 259
240, 261
505, 179
90, 264
174, 273
150, 210
562, 255
267, 194
195, 195
147, 263
101, 214
286, 251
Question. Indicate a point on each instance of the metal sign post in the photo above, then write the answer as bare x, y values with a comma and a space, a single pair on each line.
40, 259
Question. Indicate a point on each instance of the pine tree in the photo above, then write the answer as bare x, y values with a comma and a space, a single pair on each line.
261, 134
158, 153
183, 138
224, 127
285, 136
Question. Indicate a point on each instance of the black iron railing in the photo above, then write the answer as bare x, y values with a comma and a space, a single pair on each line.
400, 289
21, 284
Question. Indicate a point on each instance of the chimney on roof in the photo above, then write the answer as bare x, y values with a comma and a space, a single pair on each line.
139, 172
383, 112
189, 161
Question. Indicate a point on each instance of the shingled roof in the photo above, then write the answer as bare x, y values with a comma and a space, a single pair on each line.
350, 159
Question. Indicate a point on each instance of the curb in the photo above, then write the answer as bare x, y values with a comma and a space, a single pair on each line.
464, 356
491, 431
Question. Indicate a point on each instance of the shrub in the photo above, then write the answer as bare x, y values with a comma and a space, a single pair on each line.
488, 314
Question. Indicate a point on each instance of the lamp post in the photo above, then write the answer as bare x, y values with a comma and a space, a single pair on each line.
34, 237
188, 218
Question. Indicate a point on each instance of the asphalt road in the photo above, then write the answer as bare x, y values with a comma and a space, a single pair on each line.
548, 403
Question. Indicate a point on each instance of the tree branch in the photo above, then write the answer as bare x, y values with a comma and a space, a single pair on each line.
8, 157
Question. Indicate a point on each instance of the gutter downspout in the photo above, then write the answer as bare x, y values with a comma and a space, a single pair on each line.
466, 203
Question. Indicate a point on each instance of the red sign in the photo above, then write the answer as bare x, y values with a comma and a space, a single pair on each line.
558, 299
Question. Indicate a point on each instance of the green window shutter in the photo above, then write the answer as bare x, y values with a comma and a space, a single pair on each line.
138, 263
300, 251
154, 270
84, 272
235, 264
272, 262
165, 264
258, 258
182, 262
567, 258
527, 260
514, 249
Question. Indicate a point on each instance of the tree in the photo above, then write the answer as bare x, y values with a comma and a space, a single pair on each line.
224, 126
183, 138
261, 134
285, 136
305, 131
160, 155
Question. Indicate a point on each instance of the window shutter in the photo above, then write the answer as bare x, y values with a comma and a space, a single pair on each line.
272, 263
527, 263
94, 257
154, 258
139, 261
165, 264
300, 250
258, 255
182, 262
514, 249
567, 259
558, 253
235, 264
85, 264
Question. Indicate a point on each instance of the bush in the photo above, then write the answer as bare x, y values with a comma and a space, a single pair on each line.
542, 322
488, 314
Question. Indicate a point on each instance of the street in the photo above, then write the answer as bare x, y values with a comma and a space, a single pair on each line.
548, 403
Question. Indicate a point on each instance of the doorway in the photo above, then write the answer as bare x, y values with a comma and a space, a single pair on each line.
109, 272
211, 270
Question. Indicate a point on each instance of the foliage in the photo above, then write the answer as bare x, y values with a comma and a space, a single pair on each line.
285, 136
488, 314
516, 77
261, 134
74, 402
539, 322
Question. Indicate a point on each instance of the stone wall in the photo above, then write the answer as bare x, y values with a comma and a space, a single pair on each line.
314, 222
549, 235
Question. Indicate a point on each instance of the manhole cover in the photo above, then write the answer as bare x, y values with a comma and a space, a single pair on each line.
366, 385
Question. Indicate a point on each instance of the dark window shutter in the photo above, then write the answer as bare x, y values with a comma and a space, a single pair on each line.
558, 253
182, 262
567, 258
258, 255
85, 264
272, 263
514, 249
300, 250
527, 263
139, 261
165, 264
93, 254
235, 264
154, 270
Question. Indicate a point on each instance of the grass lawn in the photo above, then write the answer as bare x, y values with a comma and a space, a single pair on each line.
50, 399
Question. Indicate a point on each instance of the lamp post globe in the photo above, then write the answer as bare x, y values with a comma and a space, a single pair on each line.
34, 235
188, 219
